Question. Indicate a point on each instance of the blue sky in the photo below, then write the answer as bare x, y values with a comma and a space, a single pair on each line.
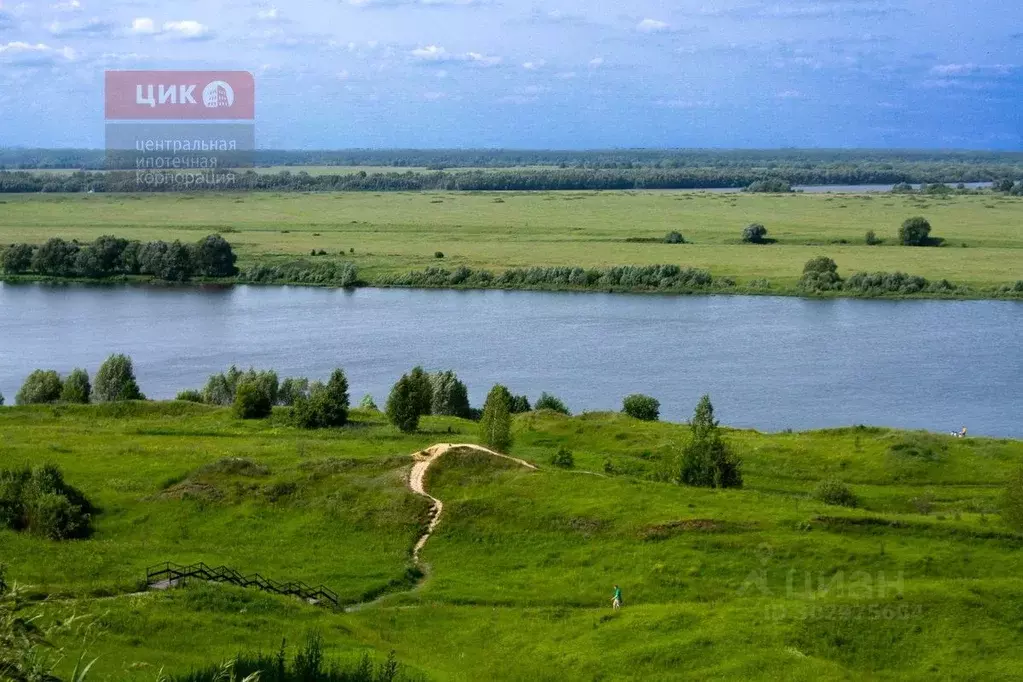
550, 74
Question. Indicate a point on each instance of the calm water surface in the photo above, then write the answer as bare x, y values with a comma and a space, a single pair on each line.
769, 363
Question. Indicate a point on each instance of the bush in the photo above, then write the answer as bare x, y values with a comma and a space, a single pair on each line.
835, 493
915, 232
772, 185
17, 258
77, 388
39, 501
367, 403
41, 387
820, 274
674, 238
214, 257
251, 401
402, 406
495, 424
563, 459
303, 272
438, 254
549, 402
115, 381
642, 407
871, 239
647, 277
191, 396
754, 234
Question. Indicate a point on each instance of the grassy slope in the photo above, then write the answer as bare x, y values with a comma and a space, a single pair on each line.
396, 232
523, 562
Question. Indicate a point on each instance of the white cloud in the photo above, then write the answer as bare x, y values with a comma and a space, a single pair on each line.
652, 26
433, 96
534, 65
973, 69
789, 94
92, 27
271, 15
39, 54
69, 6
596, 62
186, 30
143, 26
439, 55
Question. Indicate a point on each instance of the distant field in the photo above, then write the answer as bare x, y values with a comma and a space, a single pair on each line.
396, 232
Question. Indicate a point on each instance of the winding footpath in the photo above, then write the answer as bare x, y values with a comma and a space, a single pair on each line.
417, 479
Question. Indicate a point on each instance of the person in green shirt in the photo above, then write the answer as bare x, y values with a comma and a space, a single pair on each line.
616, 601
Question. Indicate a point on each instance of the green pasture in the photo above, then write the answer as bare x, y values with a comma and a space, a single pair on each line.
396, 232
920, 581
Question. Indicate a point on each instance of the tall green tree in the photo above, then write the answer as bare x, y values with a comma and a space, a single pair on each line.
77, 388
495, 424
915, 231
41, 386
214, 258
705, 460
450, 395
422, 388
115, 381
402, 406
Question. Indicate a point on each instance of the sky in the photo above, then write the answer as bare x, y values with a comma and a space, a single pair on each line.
562, 74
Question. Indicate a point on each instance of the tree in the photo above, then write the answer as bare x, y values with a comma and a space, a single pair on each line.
367, 403
871, 238
549, 402
915, 232
77, 388
422, 388
642, 407
251, 401
115, 381
1, 399
41, 387
450, 395
674, 237
705, 460
214, 257
327, 404
519, 404
495, 424
17, 258
402, 406
563, 458
291, 390
754, 234
55, 258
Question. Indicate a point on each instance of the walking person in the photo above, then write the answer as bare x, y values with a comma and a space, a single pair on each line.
616, 601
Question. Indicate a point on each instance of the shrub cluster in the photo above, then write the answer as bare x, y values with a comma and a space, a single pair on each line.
772, 185
642, 407
563, 459
651, 277
820, 274
38, 500
326, 406
754, 234
420, 393
109, 256
835, 493
325, 273
115, 382
550, 402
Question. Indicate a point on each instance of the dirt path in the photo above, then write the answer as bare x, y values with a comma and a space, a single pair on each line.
424, 458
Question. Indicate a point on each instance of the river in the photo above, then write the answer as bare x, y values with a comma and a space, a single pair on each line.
769, 363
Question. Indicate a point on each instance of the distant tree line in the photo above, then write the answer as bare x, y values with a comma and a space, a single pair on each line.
115, 382
518, 179
110, 256
652, 277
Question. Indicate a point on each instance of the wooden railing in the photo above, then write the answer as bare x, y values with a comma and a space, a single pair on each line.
174, 574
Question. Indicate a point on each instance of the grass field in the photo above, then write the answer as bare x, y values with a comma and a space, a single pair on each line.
922, 581
397, 232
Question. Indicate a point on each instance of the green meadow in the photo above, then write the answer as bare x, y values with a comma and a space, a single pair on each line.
922, 580
385, 234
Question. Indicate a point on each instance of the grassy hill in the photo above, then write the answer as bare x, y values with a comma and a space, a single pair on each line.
921, 580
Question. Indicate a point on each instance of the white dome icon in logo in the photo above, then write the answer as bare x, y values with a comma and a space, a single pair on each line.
218, 95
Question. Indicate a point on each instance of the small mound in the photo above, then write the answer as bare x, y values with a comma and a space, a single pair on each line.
191, 490
233, 466
663, 531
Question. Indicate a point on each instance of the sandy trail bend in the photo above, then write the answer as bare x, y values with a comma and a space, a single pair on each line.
424, 458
